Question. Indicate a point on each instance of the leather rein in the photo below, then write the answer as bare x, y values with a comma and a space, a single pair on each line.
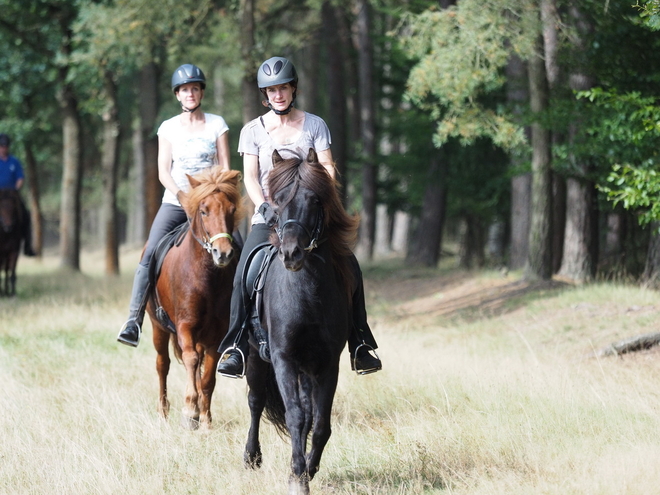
313, 235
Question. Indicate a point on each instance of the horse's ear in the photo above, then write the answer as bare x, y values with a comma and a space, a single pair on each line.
312, 157
193, 182
277, 158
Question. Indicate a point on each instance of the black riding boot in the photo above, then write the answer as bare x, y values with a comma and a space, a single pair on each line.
361, 342
235, 347
131, 330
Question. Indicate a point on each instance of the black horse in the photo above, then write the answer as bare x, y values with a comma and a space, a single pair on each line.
306, 312
11, 222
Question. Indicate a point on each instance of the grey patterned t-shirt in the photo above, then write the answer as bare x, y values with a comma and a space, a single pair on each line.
254, 140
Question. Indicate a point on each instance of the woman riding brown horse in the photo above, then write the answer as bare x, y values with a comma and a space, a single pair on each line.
193, 291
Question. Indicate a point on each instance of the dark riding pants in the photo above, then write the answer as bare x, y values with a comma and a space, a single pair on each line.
169, 217
259, 234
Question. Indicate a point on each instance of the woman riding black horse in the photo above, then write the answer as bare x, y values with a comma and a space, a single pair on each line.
283, 127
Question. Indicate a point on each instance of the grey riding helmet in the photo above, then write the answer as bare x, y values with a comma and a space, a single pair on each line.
276, 70
187, 73
4, 140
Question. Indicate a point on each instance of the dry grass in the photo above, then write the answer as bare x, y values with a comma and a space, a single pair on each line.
488, 388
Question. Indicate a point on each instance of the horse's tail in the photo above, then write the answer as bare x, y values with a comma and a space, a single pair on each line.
275, 409
176, 348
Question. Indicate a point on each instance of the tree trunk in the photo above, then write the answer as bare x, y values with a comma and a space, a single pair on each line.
110, 165
558, 220
651, 276
337, 120
249, 90
472, 243
539, 261
550, 20
367, 128
614, 237
521, 199
580, 240
517, 96
308, 67
577, 262
148, 105
140, 228
71, 177
33, 199
426, 249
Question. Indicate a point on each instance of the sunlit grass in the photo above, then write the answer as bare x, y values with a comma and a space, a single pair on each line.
500, 402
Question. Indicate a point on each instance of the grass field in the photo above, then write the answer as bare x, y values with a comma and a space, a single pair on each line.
489, 387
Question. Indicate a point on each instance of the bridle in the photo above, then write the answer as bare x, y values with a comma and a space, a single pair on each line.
207, 239
313, 236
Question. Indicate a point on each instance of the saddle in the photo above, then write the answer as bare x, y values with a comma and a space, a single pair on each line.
169, 240
254, 275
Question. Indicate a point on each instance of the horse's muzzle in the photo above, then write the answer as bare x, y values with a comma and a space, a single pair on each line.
221, 258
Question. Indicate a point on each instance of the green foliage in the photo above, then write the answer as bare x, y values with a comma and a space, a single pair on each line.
650, 13
628, 126
461, 53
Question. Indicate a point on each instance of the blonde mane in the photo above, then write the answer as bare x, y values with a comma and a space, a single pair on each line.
213, 181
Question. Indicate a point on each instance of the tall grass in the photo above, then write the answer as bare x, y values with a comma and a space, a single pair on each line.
506, 401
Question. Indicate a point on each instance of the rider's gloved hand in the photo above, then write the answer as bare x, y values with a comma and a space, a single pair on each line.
268, 213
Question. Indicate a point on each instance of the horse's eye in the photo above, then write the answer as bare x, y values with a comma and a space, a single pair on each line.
204, 213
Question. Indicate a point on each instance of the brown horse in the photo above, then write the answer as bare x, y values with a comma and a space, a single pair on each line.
11, 222
194, 289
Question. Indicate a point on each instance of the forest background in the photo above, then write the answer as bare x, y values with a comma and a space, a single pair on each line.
528, 130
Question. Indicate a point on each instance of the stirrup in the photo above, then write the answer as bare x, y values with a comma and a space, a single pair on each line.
354, 360
234, 348
123, 327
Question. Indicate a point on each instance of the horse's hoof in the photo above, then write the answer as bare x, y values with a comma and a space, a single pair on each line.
189, 423
299, 487
252, 461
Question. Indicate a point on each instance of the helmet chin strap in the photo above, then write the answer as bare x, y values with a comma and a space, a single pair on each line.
281, 112
286, 110
186, 109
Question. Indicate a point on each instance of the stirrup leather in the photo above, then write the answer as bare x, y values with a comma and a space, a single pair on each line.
354, 360
235, 348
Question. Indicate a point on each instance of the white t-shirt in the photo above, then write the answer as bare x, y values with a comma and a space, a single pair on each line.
191, 153
254, 140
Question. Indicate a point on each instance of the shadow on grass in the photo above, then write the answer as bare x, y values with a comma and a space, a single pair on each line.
452, 293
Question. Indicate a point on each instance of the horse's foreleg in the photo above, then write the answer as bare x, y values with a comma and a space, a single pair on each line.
323, 396
190, 357
206, 387
257, 379
13, 260
305, 389
287, 379
161, 340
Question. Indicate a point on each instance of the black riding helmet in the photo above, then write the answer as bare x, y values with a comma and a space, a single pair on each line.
187, 73
4, 140
274, 71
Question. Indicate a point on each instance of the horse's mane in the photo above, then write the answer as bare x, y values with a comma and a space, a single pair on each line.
340, 228
211, 181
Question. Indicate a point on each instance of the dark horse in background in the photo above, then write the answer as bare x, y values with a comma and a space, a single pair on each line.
11, 234
190, 304
306, 311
